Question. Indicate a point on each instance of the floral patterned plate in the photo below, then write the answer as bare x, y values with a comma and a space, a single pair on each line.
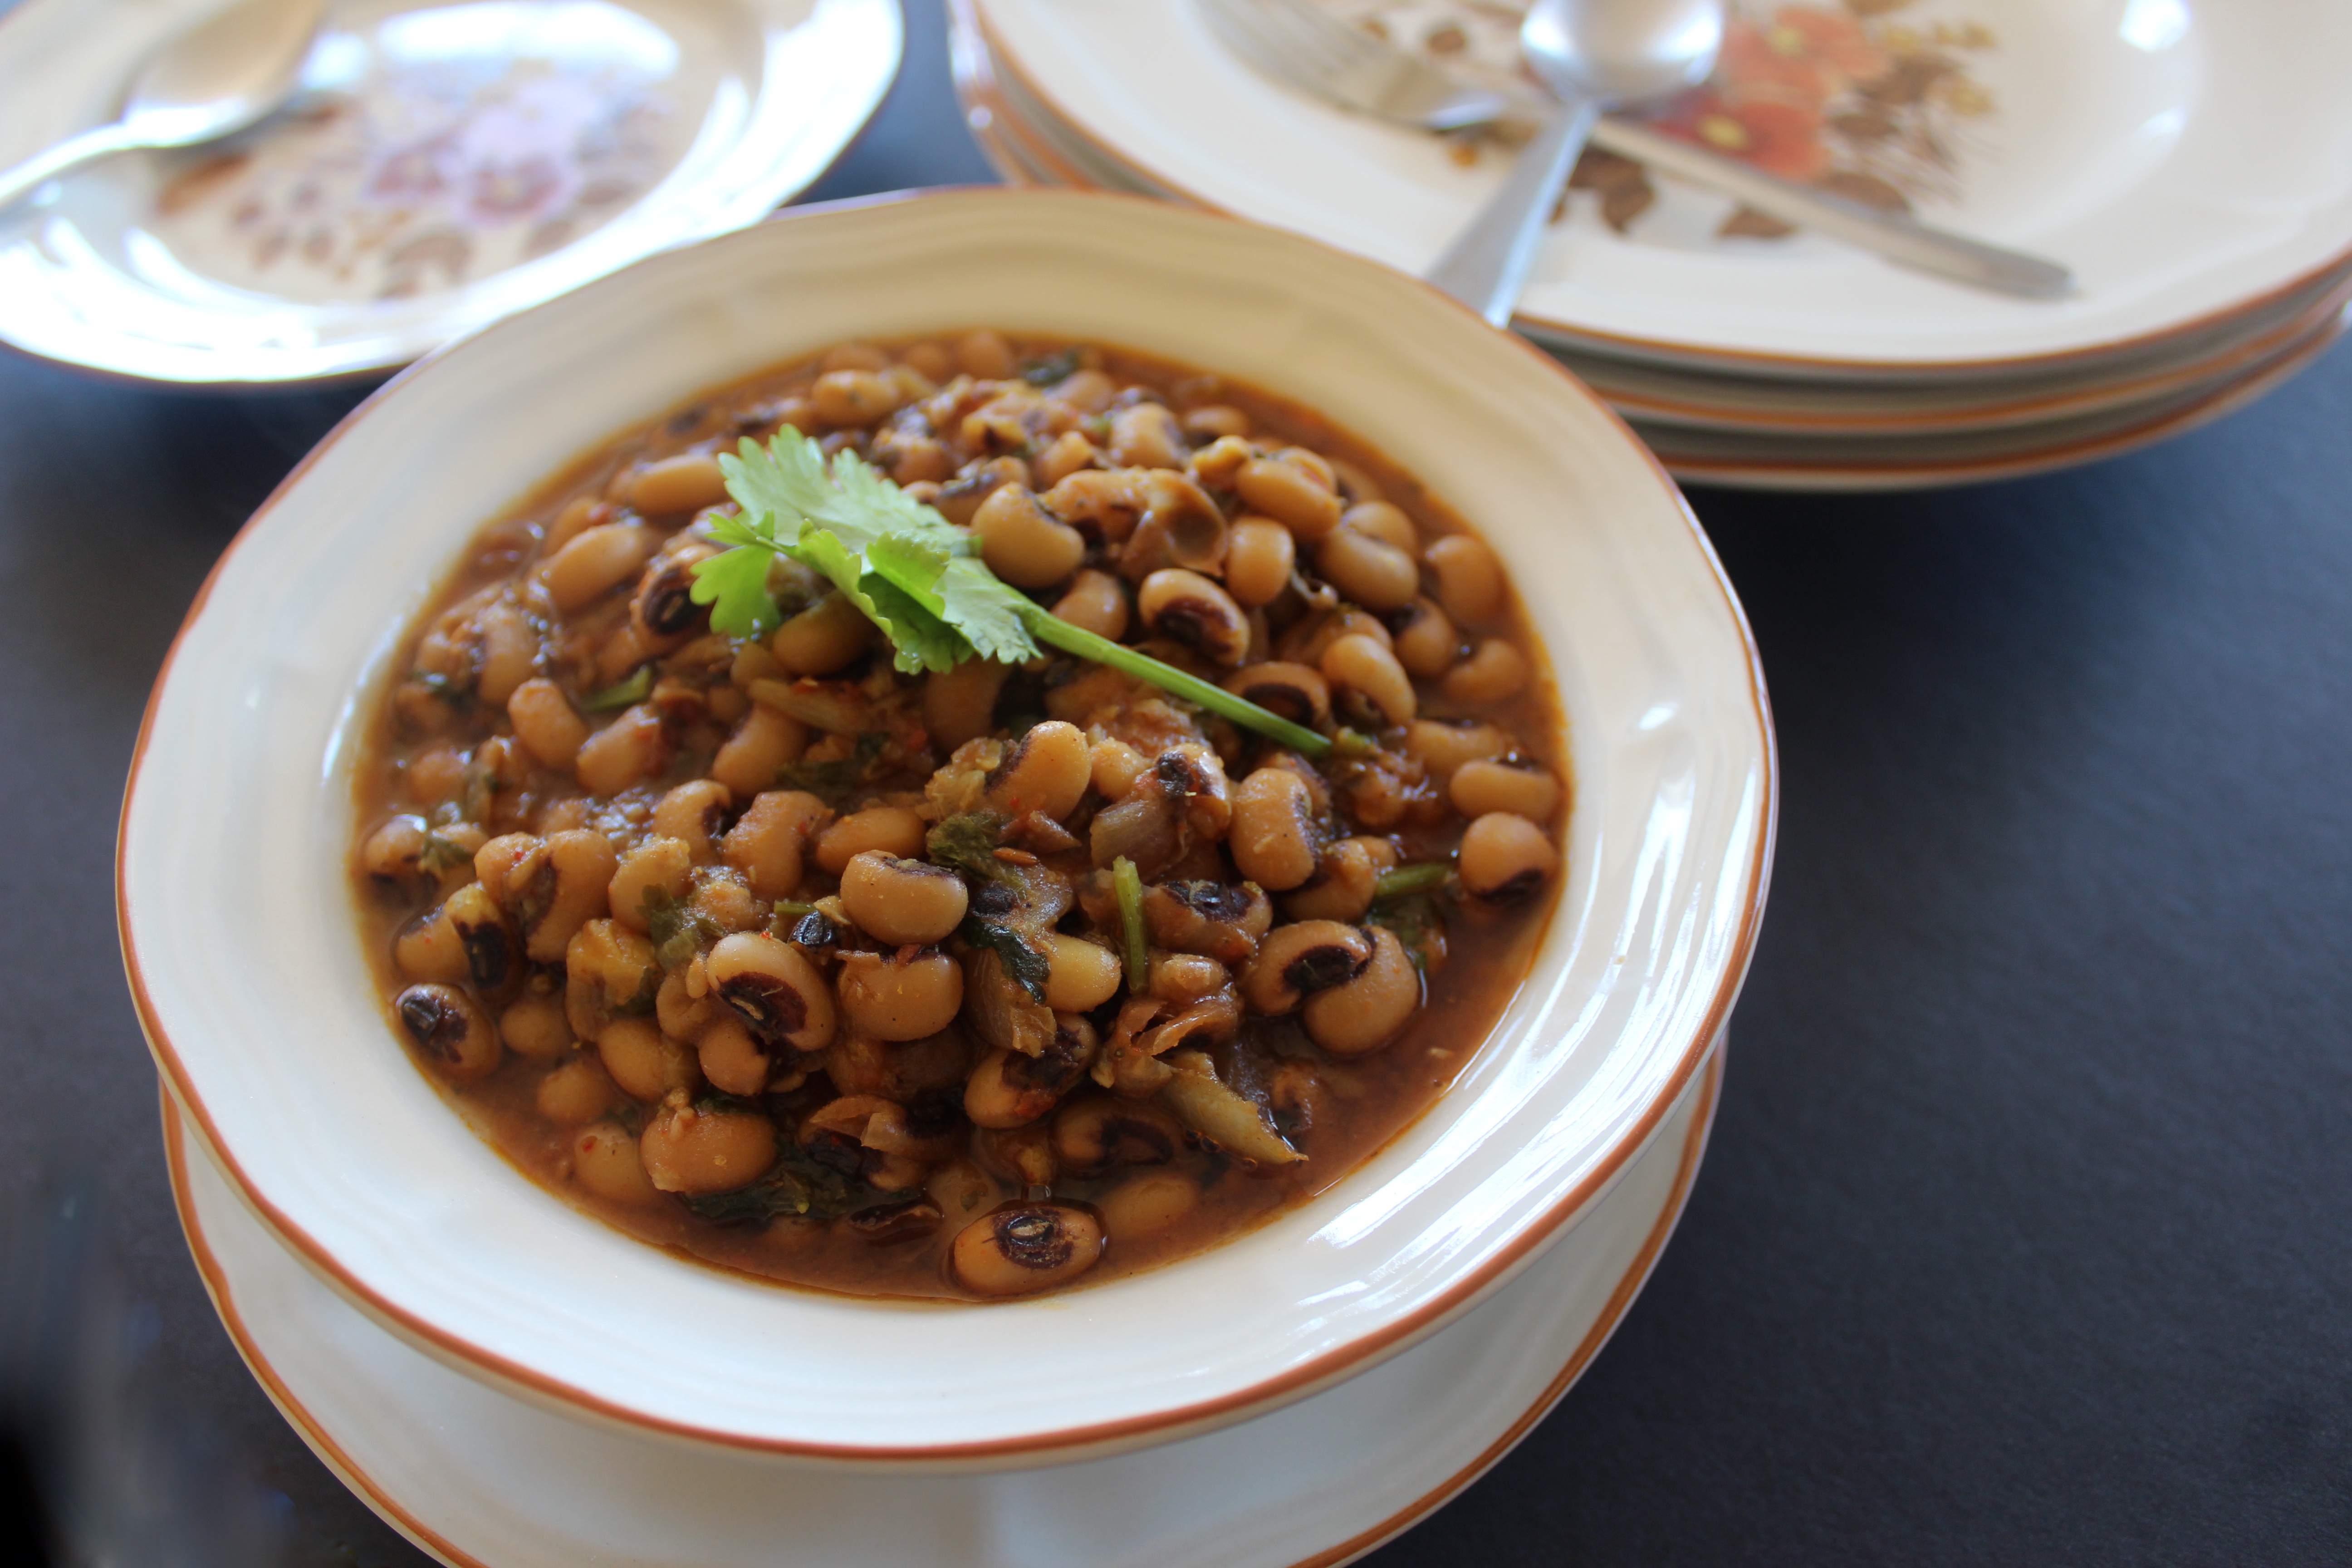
2192, 162
445, 164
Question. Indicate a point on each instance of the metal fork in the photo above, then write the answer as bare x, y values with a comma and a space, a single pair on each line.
1304, 46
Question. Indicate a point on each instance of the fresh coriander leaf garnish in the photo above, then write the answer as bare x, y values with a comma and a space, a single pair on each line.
967, 841
914, 576
1051, 370
1419, 925
1022, 958
678, 933
620, 694
794, 1186
835, 780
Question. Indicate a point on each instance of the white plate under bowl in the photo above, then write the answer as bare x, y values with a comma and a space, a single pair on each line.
505, 1482
2187, 158
263, 1014
448, 164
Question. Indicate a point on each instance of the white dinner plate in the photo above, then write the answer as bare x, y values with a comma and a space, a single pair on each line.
2189, 160
445, 165
477, 1477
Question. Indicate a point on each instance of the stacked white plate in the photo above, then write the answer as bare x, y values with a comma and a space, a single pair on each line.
2190, 161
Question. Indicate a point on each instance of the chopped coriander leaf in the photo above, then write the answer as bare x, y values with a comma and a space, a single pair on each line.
835, 781
1127, 882
794, 1186
1419, 925
967, 841
678, 933
1404, 879
1022, 958
1050, 370
620, 694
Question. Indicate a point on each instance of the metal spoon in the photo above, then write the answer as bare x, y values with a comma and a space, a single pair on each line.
210, 81
1596, 55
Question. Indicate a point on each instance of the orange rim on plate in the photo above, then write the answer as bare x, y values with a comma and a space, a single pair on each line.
378, 1498
1298, 1381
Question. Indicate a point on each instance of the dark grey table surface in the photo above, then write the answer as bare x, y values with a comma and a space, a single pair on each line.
2023, 1234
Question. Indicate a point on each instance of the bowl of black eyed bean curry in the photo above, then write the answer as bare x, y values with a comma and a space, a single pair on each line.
979, 794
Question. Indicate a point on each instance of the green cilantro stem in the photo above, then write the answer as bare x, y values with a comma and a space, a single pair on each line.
1048, 627
1407, 879
1127, 883
636, 689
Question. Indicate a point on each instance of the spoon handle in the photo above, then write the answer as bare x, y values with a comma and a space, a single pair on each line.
1489, 261
70, 153
1892, 234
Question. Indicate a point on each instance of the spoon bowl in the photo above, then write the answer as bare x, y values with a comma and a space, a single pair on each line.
211, 81
1594, 55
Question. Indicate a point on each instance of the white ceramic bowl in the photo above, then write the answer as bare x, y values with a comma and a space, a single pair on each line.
244, 955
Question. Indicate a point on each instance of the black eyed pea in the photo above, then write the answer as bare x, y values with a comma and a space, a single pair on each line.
1184, 978
698, 1151
1213, 420
1495, 672
731, 1058
895, 998
898, 901
687, 482
986, 355
1344, 882
394, 854
724, 898
1504, 857
766, 842
1218, 463
1441, 749
509, 652
493, 955
546, 723
646, 1063
1296, 692
1364, 1014
1025, 1247
1272, 836
579, 1090
653, 866
934, 360
1385, 523
766, 740
608, 968
1116, 766
1022, 543
1469, 579
631, 747
1009, 1090
1481, 786
1095, 602
1364, 666
1047, 770
533, 1026
1367, 569
691, 814
1147, 436
1291, 490
1068, 454
1299, 960
450, 1031
887, 829
852, 398
960, 704
776, 992
604, 1161
664, 605
679, 1011
1096, 1131
823, 638
568, 888
1146, 1203
1186, 607
596, 561
428, 948
1260, 555
1080, 975
1428, 645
